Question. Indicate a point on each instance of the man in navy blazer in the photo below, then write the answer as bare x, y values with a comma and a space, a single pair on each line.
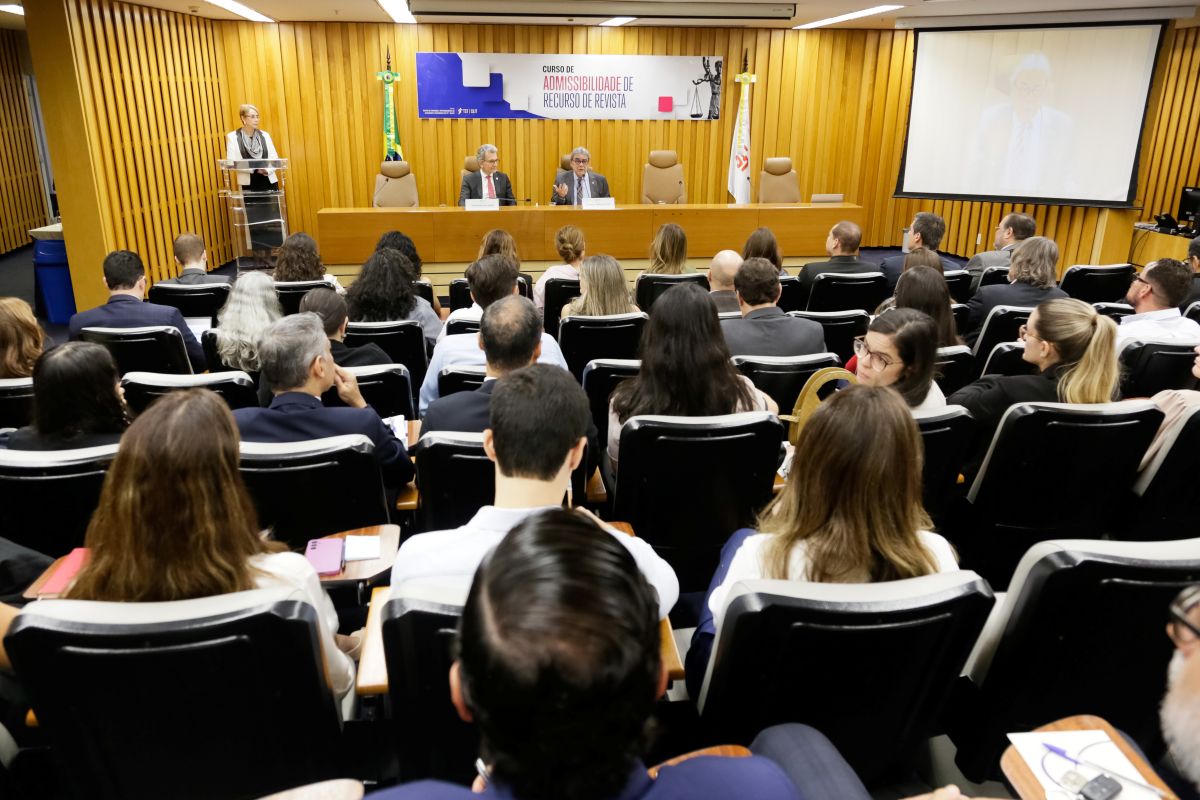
926, 230
489, 182
294, 352
125, 278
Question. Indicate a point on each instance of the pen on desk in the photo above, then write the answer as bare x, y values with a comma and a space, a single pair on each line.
1058, 751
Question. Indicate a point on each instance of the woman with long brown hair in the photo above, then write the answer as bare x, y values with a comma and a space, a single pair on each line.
298, 260
498, 241
21, 338
668, 252
602, 289
175, 522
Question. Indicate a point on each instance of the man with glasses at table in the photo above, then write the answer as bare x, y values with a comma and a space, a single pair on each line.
488, 183
1181, 706
572, 187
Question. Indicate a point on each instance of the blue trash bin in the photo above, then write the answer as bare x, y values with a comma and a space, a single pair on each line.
53, 278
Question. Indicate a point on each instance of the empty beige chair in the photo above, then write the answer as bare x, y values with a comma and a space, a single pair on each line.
778, 182
395, 186
662, 179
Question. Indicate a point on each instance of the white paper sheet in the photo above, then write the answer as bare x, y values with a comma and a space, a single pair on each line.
1095, 746
362, 548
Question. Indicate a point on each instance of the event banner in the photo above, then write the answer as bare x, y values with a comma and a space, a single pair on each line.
550, 86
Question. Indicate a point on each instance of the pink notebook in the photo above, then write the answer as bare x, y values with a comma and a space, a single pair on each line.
66, 572
326, 555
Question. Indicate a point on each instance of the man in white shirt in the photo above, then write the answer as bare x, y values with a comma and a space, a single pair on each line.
539, 417
1155, 296
490, 278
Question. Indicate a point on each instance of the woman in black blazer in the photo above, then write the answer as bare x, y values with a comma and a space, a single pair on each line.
1031, 278
1074, 351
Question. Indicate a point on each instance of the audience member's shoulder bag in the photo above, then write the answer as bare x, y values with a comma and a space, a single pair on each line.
810, 398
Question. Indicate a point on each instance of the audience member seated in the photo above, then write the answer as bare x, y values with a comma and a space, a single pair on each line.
499, 242
764, 329
251, 308
538, 419
192, 259
921, 257
333, 310
1193, 262
384, 292
1031, 276
1181, 705
125, 278
900, 351
298, 365
1012, 230
175, 522
1156, 295
21, 338
926, 230
491, 278
77, 400
298, 260
571, 248
686, 371
850, 512
602, 290
720, 281
668, 252
559, 667
842, 245
1176, 405
408, 248
1073, 349
763, 244
924, 289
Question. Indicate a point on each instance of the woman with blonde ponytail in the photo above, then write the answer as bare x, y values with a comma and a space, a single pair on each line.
1074, 351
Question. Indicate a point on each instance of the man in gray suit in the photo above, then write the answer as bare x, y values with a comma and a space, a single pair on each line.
489, 182
1012, 230
764, 330
192, 259
573, 187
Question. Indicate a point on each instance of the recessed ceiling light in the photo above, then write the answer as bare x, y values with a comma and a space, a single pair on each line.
615, 21
235, 7
866, 12
20, 12
398, 11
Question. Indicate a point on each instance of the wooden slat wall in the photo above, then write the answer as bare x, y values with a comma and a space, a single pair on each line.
22, 201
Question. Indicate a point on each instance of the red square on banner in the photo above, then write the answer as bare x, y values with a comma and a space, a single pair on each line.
666, 104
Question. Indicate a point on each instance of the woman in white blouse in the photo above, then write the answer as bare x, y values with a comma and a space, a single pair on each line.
259, 186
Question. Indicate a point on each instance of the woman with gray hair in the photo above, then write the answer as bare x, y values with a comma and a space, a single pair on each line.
1032, 277
252, 306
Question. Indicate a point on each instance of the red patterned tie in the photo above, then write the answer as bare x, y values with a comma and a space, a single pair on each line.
491, 189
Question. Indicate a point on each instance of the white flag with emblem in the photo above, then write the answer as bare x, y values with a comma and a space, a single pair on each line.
739, 147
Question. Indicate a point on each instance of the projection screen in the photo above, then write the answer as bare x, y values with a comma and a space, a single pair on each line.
1029, 114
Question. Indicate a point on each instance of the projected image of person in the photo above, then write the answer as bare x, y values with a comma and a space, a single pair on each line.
1025, 145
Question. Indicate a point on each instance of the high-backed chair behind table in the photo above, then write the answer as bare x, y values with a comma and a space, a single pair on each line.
946, 435
651, 285
419, 623
841, 328
403, 341
559, 292
458, 378
600, 377
192, 300
47, 497
155, 348
687, 483
456, 479
954, 368
1148, 368
869, 665
306, 490
1037, 659
1106, 283
585, 339
1000, 523
835, 291
387, 388
470, 164
16, 402
782, 377
395, 186
778, 182
220, 696
662, 179
292, 292
142, 388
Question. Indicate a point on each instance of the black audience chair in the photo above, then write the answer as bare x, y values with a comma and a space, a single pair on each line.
869, 665
456, 479
387, 388
424, 289
16, 402
1148, 368
841, 328
214, 697
946, 435
1037, 660
143, 388
212, 356
559, 292
600, 377
403, 341
782, 377
306, 490
1164, 503
1007, 358
460, 294
525, 285
833, 291
192, 300
585, 339
994, 276
460, 379
1098, 284
962, 315
791, 294
1114, 311
954, 369
958, 281
155, 348
456, 326
651, 285
47, 497
1193, 311
1003, 324
292, 292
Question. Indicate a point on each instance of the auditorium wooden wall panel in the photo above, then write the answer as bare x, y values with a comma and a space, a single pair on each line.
22, 201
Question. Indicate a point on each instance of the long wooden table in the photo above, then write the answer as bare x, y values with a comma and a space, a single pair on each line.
452, 234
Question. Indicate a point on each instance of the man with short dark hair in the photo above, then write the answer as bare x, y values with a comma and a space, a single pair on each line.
326, 303
926, 230
764, 330
538, 419
1013, 229
721, 271
125, 278
842, 244
192, 259
489, 279
1156, 295
1193, 262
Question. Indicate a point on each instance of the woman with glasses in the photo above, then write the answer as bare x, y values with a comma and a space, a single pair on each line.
900, 351
1031, 277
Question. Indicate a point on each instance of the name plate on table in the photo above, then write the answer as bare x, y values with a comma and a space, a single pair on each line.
599, 202
486, 204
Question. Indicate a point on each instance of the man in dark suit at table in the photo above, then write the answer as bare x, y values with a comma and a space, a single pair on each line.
192, 259
295, 357
764, 329
488, 183
842, 245
125, 278
926, 230
579, 183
